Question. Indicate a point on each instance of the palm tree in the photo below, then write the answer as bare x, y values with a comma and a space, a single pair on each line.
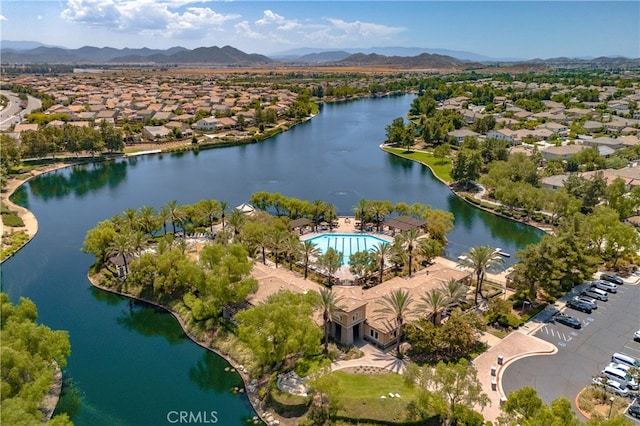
148, 220
329, 304
130, 219
164, 216
379, 209
309, 249
175, 213
409, 239
396, 303
434, 302
209, 208
292, 248
481, 259
122, 245
362, 210
223, 207
381, 252
455, 291
236, 220
276, 243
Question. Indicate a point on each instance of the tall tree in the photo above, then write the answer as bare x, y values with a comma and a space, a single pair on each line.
433, 302
381, 252
449, 387
329, 304
309, 250
409, 240
396, 304
481, 259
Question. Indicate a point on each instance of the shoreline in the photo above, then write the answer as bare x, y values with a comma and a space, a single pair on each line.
205, 344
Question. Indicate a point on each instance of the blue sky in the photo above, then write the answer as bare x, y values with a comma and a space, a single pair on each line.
517, 29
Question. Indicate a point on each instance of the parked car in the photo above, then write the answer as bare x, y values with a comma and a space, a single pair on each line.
611, 386
567, 320
612, 278
621, 358
596, 293
620, 376
605, 285
579, 306
634, 410
636, 336
588, 300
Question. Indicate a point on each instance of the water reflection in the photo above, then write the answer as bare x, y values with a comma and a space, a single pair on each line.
209, 374
151, 322
400, 163
79, 180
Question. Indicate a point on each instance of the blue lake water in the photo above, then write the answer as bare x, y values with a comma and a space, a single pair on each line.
131, 364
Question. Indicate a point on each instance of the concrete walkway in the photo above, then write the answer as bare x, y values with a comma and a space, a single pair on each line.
492, 363
373, 357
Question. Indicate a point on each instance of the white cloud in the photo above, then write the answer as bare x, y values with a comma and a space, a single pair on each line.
3, 18
364, 29
161, 18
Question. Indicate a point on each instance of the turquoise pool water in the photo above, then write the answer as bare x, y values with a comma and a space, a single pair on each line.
346, 243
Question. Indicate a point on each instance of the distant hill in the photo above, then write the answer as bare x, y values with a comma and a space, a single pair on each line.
423, 60
21, 45
330, 56
98, 55
295, 55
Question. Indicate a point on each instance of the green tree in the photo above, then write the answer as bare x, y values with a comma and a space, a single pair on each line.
397, 305
409, 239
98, 241
381, 253
309, 250
329, 304
466, 168
448, 387
433, 302
281, 328
481, 259
27, 354
524, 407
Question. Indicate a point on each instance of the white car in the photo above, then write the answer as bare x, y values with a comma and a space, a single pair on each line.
636, 336
611, 386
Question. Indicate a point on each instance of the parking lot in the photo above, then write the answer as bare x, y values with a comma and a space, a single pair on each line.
582, 353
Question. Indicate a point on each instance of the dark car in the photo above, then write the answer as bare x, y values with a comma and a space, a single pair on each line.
579, 306
567, 320
634, 410
611, 278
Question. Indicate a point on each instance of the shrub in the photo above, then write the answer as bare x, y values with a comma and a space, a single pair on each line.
12, 220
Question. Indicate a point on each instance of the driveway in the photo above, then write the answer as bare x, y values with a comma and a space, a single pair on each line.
582, 353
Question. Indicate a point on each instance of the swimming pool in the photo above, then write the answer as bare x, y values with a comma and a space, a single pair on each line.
346, 243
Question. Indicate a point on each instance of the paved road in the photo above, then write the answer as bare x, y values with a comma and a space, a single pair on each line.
583, 353
14, 113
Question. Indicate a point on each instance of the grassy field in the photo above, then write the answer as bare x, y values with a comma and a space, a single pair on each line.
359, 396
441, 167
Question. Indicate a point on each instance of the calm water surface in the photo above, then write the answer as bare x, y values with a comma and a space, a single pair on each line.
132, 365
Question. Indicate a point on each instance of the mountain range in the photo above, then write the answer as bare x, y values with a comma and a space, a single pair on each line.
26, 52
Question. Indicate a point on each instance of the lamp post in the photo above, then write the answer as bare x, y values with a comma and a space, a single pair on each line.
611, 399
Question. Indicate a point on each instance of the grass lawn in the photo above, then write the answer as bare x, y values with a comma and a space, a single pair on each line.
358, 396
441, 167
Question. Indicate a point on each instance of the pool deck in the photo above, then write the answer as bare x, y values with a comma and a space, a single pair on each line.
346, 225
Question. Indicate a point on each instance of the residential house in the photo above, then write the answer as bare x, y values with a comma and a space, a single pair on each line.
460, 134
503, 134
612, 143
593, 126
562, 152
155, 132
208, 124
